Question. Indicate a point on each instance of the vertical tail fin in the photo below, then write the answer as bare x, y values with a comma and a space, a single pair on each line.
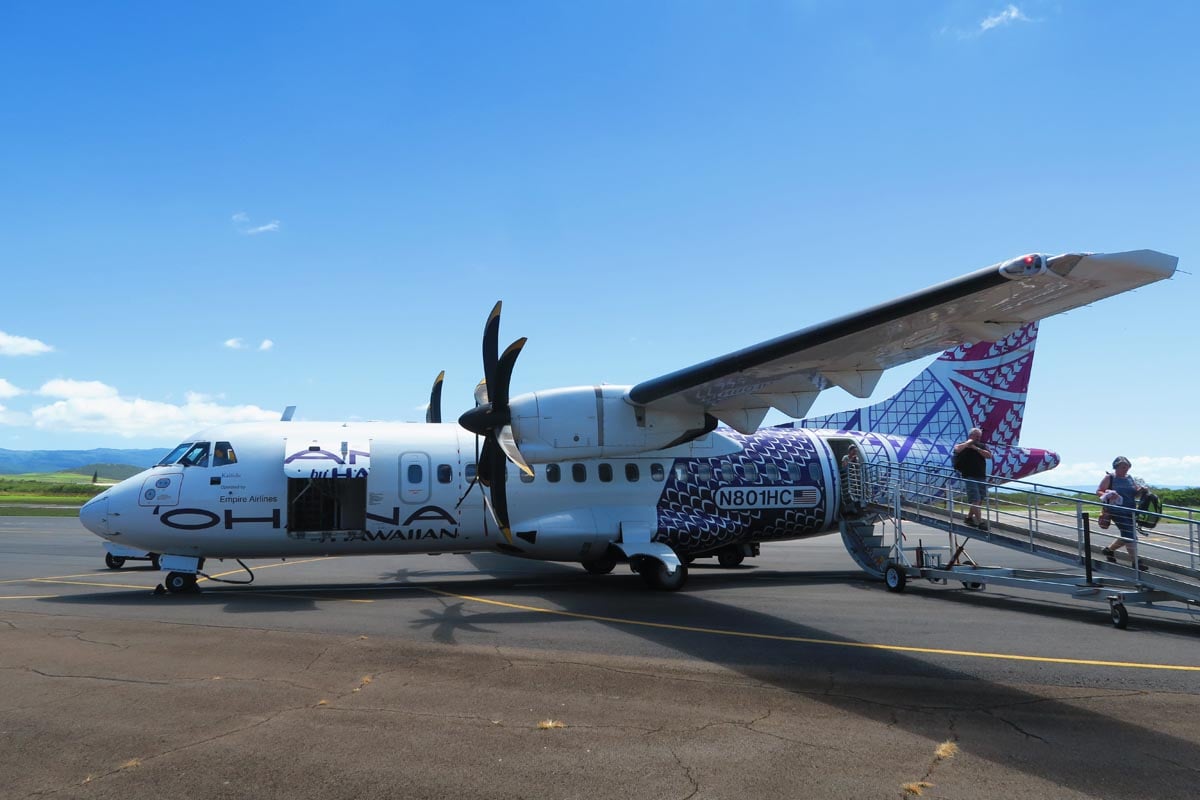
973, 385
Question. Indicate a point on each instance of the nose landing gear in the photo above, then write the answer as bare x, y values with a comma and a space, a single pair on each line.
180, 582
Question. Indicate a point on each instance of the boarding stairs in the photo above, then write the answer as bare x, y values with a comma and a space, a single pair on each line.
1052, 523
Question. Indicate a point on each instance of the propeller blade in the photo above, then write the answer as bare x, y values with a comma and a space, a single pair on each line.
503, 372
504, 438
484, 461
496, 480
434, 412
481, 393
491, 344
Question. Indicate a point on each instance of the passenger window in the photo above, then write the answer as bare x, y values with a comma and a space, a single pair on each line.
772, 473
704, 473
751, 471
727, 473
553, 473
680, 472
605, 472
445, 473
657, 473
223, 455
471, 471
579, 473
632, 473
814, 471
525, 476
415, 473
793, 472
197, 456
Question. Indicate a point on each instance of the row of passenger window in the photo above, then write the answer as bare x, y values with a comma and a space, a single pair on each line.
730, 473
604, 471
747, 472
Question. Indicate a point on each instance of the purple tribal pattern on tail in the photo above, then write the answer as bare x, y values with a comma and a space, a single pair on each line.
973, 385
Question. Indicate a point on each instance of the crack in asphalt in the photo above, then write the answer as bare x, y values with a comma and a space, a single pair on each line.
134, 763
687, 773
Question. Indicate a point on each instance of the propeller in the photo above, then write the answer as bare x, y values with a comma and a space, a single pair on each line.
434, 412
492, 419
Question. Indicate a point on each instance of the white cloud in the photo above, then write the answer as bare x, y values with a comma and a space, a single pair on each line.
21, 346
1155, 470
241, 221
8, 417
1010, 14
267, 344
95, 407
8, 390
70, 389
234, 344
270, 227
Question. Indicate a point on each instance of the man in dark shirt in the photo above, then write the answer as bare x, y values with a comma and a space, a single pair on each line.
970, 459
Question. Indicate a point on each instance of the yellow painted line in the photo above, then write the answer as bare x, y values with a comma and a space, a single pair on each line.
91, 583
27, 596
51, 578
807, 640
314, 597
239, 570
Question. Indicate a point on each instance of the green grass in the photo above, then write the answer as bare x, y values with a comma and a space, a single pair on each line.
43, 499
26, 511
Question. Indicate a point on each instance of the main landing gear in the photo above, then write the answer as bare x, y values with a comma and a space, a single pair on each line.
656, 576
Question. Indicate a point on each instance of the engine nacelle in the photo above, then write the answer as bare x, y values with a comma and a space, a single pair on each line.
596, 422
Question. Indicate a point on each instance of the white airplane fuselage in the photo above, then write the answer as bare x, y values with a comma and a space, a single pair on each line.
305, 489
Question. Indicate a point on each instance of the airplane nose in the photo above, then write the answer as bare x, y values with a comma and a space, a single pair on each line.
94, 515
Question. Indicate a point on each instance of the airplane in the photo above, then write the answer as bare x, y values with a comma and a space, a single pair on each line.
654, 474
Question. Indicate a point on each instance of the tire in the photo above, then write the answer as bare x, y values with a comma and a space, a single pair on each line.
113, 562
654, 573
179, 582
972, 585
731, 556
1120, 617
895, 577
600, 566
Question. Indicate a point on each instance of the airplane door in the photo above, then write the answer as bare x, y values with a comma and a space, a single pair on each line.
414, 478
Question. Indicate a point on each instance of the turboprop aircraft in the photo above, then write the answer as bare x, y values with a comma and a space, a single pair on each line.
643, 474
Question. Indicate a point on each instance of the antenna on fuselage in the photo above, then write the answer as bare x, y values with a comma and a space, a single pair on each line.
287, 414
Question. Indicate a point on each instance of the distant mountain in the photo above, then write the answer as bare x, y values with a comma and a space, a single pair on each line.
14, 462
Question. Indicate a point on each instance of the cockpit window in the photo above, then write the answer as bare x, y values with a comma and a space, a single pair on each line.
223, 455
197, 456
174, 455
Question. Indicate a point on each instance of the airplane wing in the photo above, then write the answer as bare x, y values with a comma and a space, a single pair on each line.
852, 351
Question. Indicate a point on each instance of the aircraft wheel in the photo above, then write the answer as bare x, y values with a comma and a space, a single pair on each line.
731, 556
600, 566
895, 577
178, 582
972, 585
654, 573
113, 562
1120, 617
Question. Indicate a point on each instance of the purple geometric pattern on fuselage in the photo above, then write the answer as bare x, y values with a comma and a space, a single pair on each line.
689, 519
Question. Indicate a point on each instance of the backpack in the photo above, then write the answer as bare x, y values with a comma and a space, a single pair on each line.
1149, 510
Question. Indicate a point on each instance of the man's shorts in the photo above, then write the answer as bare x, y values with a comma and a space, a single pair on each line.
976, 490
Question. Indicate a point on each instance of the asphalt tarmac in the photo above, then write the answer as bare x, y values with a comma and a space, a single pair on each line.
490, 677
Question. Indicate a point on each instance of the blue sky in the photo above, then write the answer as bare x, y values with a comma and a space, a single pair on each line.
345, 190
